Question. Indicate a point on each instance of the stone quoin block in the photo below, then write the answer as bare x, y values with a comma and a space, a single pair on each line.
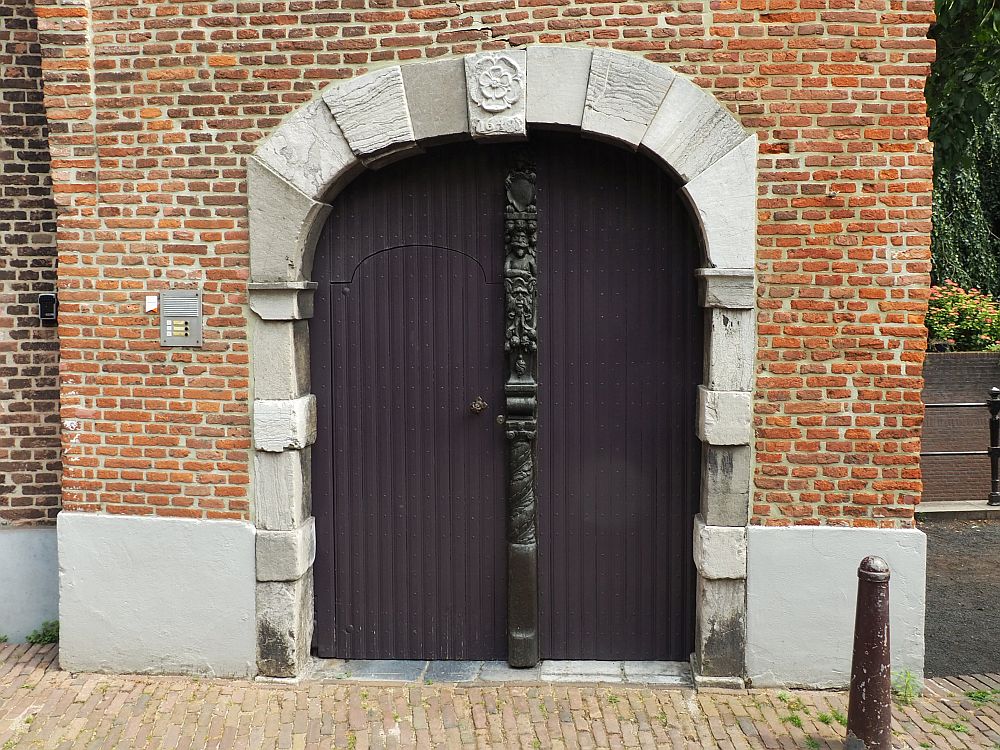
730, 349
557, 85
282, 489
286, 555
690, 131
724, 199
623, 94
723, 417
284, 423
284, 625
437, 99
720, 630
310, 152
284, 226
719, 551
372, 112
283, 373
725, 484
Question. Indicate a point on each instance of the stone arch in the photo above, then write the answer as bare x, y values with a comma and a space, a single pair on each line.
391, 113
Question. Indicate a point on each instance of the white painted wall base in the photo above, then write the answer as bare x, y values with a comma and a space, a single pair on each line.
801, 593
29, 580
159, 595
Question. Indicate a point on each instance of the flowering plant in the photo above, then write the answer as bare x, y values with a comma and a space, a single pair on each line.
962, 320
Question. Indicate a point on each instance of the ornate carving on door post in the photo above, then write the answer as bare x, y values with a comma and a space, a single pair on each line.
521, 390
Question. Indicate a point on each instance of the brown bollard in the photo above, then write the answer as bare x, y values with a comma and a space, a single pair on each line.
869, 715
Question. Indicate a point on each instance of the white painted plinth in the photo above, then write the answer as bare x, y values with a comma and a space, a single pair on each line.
29, 581
158, 595
801, 596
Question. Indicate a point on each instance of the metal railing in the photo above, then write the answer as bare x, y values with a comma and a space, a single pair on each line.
993, 405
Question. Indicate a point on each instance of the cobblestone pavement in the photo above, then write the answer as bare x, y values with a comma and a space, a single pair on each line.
44, 707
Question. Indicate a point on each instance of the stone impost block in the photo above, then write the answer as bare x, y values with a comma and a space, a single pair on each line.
719, 551
557, 85
284, 226
310, 151
496, 83
372, 112
729, 349
437, 98
282, 300
286, 555
282, 489
281, 358
723, 417
691, 130
284, 625
724, 198
720, 628
732, 288
623, 95
283, 424
725, 484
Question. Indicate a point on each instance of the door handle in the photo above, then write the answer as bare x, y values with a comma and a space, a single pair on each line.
478, 405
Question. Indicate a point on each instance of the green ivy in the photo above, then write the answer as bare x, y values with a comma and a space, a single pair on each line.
963, 99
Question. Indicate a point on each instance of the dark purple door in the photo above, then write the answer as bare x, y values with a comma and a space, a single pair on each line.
409, 482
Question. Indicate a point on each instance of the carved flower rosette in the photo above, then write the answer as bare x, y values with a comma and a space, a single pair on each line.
497, 83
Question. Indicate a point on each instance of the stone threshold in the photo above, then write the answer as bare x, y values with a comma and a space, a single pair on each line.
665, 673
966, 510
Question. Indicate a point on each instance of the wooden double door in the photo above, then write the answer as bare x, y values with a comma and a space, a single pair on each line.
410, 467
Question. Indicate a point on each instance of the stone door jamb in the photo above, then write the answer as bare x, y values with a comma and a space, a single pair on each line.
391, 113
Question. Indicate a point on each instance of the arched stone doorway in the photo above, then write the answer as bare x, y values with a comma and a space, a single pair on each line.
390, 113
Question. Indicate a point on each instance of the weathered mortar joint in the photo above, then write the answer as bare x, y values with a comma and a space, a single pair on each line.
286, 555
284, 424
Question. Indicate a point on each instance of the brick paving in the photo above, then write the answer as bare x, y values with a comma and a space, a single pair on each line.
42, 706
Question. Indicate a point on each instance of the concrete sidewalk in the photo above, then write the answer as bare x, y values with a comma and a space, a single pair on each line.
44, 707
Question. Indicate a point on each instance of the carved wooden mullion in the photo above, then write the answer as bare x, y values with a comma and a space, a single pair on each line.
521, 390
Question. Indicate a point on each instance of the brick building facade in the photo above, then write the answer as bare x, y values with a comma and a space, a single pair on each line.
154, 111
29, 348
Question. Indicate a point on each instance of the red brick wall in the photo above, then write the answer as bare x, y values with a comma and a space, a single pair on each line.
152, 124
29, 350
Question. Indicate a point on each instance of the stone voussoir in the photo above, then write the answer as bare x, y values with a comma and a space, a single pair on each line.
557, 85
284, 226
372, 112
724, 198
623, 95
310, 151
691, 131
436, 99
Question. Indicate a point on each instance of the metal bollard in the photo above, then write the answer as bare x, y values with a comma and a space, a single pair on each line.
994, 406
869, 714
